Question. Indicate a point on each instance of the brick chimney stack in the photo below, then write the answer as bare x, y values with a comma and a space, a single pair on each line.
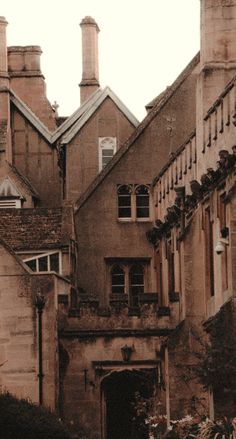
5, 135
90, 75
27, 81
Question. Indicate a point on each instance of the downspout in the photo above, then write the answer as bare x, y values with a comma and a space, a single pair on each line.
39, 304
167, 382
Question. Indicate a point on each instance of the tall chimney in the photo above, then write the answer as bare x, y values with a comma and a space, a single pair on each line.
27, 81
218, 33
218, 48
5, 135
90, 76
217, 57
3, 49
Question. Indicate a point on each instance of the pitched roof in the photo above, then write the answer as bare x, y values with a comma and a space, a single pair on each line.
8, 189
15, 256
83, 114
30, 116
22, 180
69, 128
139, 130
33, 229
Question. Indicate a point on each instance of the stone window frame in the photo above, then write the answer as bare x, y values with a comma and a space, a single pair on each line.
126, 264
133, 205
47, 255
105, 144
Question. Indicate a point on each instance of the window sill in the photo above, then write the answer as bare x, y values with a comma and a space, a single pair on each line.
143, 220
134, 220
143, 298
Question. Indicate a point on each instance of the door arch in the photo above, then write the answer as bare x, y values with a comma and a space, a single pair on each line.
123, 393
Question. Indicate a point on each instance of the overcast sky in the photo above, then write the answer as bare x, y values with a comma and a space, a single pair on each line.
143, 44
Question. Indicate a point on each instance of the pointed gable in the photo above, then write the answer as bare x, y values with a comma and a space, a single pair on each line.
8, 189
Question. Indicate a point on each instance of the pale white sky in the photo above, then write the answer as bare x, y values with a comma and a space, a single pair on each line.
143, 44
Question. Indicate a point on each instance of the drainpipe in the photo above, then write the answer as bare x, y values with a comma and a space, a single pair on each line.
167, 381
39, 304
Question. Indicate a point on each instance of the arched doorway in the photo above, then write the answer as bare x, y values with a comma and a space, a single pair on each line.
124, 394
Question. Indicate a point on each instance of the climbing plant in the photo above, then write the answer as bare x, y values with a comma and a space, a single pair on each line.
216, 368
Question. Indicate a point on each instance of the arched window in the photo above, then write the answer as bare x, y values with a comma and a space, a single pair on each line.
142, 202
117, 280
107, 148
124, 201
136, 281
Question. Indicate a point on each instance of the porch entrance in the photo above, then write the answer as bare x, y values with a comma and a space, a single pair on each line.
124, 396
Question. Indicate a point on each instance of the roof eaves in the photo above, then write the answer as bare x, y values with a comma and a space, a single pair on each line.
75, 116
24, 180
140, 128
32, 118
122, 107
173, 158
15, 256
94, 105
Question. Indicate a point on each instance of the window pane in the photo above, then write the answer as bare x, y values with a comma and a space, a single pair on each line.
54, 262
31, 264
43, 263
107, 152
142, 202
117, 280
124, 202
142, 212
124, 212
107, 155
136, 278
124, 190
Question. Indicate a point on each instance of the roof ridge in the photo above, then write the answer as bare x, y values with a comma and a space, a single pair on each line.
66, 125
94, 104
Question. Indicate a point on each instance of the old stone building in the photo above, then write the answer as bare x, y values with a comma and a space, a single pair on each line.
117, 237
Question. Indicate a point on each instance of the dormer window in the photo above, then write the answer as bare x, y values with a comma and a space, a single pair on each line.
107, 148
45, 263
10, 197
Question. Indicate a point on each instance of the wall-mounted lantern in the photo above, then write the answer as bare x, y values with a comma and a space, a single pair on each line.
126, 352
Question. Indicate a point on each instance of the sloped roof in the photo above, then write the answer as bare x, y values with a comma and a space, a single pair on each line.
83, 114
155, 100
139, 130
8, 189
15, 256
30, 116
32, 229
69, 128
24, 182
